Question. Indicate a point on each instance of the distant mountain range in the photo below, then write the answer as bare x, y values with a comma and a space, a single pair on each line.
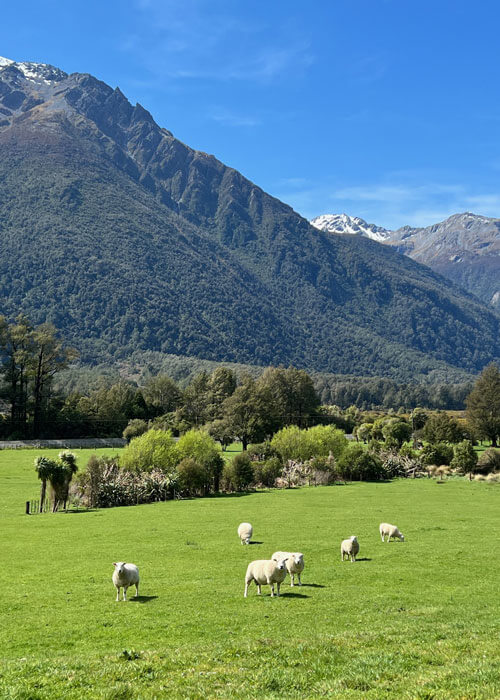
129, 240
465, 247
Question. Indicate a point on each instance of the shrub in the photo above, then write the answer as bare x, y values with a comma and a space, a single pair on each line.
267, 472
357, 463
135, 427
489, 461
239, 473
198, 445
192, 476
437, 453
155, 449
464, 457
262, 451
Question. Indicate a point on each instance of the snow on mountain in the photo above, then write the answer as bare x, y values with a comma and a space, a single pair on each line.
34, 71
342, 223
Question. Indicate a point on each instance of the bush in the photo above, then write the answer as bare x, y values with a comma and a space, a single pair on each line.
357, 463
239, 473
489, 461
192, 476
155, 449
135, 427
267, 472
464, 457
437, 453
262, 451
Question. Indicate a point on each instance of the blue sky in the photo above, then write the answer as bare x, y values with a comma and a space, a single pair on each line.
384, 109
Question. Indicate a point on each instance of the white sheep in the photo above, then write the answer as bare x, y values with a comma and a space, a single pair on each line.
294, 563
245, 531
349, 548
265, 572
125, 575
390, 531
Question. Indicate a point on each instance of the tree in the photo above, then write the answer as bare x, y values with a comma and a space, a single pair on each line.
364, 431
464, 457
483, 405
195, 400
440, 427
162, 394
50, 357
357, 463
135, 427
418, 418
397, 430
59, 474
292, 443
220, 430
221, 385
247, 412
489, 461
43, 467
16, 343
291, 395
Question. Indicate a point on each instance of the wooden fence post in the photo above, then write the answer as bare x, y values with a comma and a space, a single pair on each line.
27, 507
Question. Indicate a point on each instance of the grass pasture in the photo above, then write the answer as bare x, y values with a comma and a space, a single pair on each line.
408, 620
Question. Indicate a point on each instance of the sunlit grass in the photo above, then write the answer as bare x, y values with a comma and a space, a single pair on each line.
409, 620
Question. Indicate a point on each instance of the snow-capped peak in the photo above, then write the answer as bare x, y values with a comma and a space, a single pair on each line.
343, 223
34, 71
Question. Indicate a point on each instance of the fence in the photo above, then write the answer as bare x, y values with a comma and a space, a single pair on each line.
33, 507
73, 443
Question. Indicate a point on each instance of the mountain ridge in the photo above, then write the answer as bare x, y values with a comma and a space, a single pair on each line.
127, 239
465, 247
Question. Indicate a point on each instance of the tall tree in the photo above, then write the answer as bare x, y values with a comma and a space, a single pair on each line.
16, 342
162, 394
247, 412
291, 393
49, 357
483, 405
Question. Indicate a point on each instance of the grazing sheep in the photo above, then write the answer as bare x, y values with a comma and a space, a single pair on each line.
245, 531
390, 531
265, 572
294, 563
349, 548
125, 575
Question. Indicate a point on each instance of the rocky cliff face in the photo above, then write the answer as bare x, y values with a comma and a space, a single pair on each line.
128, 239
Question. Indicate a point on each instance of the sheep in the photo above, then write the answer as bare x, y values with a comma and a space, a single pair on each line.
294, 563
349, 548
265, 571
245, 531
390, 531
125, 575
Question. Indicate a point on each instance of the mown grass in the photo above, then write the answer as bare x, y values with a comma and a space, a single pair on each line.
417, 619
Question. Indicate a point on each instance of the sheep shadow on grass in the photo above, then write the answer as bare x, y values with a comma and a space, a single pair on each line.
290, 594
255, 542
363, 559
142, 598
313, 585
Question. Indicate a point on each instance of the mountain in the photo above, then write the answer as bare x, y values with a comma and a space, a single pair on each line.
464, 248
128, 240
342, 223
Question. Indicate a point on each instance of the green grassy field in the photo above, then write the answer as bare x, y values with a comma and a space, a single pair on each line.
417, 619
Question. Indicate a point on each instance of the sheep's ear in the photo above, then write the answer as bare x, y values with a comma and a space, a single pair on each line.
114, 563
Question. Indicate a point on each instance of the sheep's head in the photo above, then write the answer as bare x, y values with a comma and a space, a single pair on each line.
353, 538
298, 558
401, 537
281, 564
119, 566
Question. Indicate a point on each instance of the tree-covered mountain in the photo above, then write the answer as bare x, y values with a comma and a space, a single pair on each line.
464, 247
127, 239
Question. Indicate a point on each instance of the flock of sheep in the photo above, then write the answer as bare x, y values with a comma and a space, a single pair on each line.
265, 572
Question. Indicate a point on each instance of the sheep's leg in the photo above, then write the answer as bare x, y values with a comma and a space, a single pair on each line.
136, 590
300, 582
272, 590
259, 589
125, 592
117, 593
278, 585
246, 589
292, 578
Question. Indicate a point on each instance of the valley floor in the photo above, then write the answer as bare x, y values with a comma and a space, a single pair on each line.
408, 620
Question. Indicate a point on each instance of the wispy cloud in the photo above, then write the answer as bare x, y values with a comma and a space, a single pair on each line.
392, 203
223, 116
201, 40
